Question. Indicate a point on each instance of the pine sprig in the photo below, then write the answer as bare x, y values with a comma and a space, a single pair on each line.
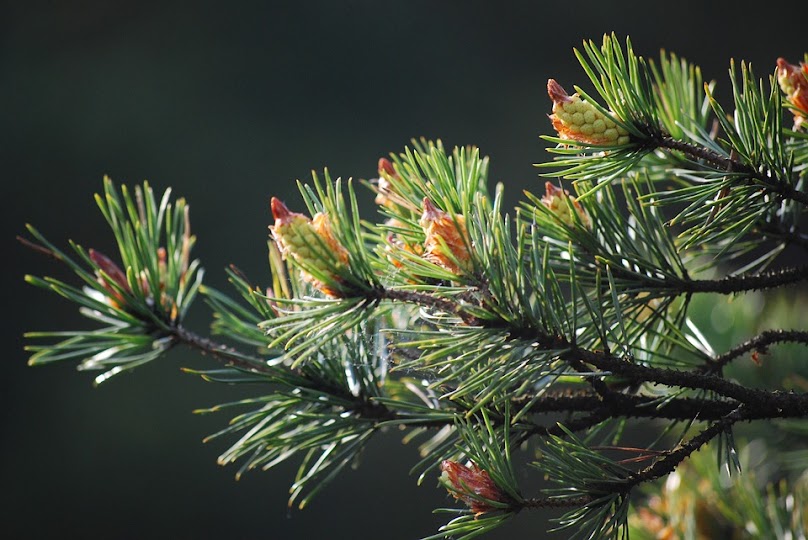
584, 473
139, 303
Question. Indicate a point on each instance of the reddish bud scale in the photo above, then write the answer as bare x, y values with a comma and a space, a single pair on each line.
467, 480
387, 186
447, 242
114, 273
106, 265
386, 169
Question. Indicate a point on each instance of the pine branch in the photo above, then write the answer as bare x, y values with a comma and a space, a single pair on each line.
361, 405
727, 285
552, 502
759, 343
218, 351
424, 299
672, 459
615, 406
640, 373
758, 399
658, 139
769, 179
663, 466
745, 283
752, 397
637, 406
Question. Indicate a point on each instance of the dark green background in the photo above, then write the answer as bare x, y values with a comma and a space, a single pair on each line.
229, 104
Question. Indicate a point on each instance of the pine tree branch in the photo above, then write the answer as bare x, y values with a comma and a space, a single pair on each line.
596, 383
759, 343
551, 502
364, 407
672, 459
771, 182
726, 285
424, 299
640, 373
752, 397
638, 406
615, 406
220, 352
745, 283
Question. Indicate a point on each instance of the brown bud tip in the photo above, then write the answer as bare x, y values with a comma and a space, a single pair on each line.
430, 210
98, 257
557, 92
104, 263
551, 190
279, 210
108, 266
385, 167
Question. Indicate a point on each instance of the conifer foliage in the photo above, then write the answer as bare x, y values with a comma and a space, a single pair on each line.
502, 339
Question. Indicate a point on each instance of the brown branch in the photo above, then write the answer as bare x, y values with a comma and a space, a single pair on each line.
363, 406
672, 459
632, 406
726, 285
425, 299
747, 282
552, 502
615, 406
771, 183
753, 397
222, 353
760, 343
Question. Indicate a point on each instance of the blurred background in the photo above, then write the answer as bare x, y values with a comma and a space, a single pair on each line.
229, 104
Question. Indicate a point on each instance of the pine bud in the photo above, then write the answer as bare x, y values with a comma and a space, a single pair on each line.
794, 84
387, 189
447, 242
386, 169
309, 242
467, 483
386, 173
113, 273
580, 121
555, 199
